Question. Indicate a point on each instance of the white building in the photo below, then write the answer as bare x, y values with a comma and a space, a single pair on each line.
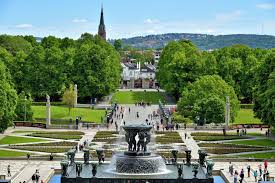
136, 76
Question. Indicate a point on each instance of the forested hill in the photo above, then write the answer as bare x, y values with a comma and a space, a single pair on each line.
203, 41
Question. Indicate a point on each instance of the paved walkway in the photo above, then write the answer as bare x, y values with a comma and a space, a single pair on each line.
190, 144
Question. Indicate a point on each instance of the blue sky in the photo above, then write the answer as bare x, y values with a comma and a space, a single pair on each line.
128, 18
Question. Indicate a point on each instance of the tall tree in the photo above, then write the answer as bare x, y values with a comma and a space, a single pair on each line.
264, 95
206, 98
23, 109
8, 98
68, 98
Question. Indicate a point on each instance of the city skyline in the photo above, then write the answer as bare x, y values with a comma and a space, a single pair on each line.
125, 19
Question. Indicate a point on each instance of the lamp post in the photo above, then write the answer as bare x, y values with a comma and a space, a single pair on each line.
25, 114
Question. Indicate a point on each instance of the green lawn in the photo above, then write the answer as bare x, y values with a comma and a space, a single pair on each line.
246, 116
5, 153
59, 112
130, 97
16, 140
267, 155
258, 142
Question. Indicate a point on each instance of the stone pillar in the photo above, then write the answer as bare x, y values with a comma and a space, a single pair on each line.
48, 112
75, 93
227, 112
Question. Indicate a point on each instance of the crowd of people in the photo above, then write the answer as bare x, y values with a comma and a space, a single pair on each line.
259, 173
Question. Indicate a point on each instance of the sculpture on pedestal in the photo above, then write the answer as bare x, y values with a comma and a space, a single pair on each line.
78, 168
210, 165
86, 156
100, 155
195, 169
202, 156
94, 170
188, 157
64, 167
175, 156
180, 171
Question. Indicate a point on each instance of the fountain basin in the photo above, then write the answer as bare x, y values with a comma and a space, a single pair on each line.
138, 164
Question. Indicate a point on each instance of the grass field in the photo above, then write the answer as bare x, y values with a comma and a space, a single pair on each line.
130, 97
258, 142
59, 112
266, 155
16, 140
246, 116
5, 153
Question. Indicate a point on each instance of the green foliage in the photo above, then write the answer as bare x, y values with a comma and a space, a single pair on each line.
177, 118
23, 107
8, 98
52, 65
264, 95
118, 45
69, 97
179, 64
246, 106
206, 98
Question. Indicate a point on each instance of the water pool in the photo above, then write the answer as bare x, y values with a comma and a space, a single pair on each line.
218, 179
57, 177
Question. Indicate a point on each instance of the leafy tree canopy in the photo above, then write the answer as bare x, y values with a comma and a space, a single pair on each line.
206, 97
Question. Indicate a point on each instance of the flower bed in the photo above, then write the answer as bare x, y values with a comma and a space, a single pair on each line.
168, 138
105, 134
63, 143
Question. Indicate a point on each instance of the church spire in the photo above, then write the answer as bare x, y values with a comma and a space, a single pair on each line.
101, 27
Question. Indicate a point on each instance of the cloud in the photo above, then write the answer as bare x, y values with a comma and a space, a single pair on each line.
24, 26
151, 21
266, 6
79, 20
229, 16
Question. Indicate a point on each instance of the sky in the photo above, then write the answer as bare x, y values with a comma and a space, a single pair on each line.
129, 18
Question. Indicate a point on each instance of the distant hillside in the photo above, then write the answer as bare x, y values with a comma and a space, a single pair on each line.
203, 41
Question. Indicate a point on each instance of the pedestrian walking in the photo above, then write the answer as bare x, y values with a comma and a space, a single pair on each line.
37, 177
241, 176
248, 170
255, 173
260, 170
185, 135
9, 171
265, 164
235, 176
33, 178
230, 168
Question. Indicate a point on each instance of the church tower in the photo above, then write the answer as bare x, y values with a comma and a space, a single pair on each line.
101, 27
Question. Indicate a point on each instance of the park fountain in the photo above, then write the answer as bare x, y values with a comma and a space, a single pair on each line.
136, 164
